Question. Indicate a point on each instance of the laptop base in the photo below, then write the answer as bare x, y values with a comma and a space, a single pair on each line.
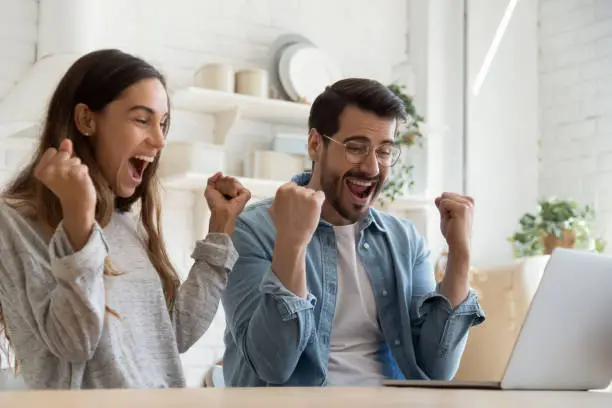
490, 385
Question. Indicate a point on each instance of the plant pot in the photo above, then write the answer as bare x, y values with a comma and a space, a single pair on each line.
550, 242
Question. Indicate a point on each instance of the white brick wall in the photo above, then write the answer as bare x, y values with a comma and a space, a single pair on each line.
18, 22
366, 38
576, 103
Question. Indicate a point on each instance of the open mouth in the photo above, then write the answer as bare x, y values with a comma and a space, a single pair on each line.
138, 164
361, 189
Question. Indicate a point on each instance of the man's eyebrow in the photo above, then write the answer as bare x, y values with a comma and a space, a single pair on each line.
361, 138
356, 138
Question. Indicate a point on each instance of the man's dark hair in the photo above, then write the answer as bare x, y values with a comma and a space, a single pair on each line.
366, 94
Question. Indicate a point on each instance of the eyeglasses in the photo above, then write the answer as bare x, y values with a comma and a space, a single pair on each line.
356, 152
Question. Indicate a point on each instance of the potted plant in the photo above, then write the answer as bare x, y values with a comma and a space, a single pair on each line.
556, 223
409, 134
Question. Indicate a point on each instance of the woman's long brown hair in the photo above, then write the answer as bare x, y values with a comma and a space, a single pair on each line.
96, 79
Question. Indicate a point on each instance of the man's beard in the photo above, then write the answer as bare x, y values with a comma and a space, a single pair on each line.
332, 187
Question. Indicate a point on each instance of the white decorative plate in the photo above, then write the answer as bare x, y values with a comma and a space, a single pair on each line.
305, 70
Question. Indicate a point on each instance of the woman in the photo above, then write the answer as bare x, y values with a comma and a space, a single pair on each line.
88, 296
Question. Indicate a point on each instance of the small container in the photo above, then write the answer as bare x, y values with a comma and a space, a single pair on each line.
219, 77
253, 82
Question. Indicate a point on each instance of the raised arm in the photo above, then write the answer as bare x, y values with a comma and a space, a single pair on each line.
439, 329
198, 299
269, 312
63, 302
444, 313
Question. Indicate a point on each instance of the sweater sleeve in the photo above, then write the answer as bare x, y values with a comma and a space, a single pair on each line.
59, 297
198, 299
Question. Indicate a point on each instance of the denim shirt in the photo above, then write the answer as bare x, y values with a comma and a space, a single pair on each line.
274, 337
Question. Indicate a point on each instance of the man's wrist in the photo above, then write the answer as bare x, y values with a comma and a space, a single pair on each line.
290, 241
458, 260
460, 253
289, 264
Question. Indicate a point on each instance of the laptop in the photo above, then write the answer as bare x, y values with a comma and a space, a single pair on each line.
565, 342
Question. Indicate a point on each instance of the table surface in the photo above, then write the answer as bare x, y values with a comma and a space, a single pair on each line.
379, 397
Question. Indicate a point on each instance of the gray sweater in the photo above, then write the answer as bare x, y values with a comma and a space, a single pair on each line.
54, 302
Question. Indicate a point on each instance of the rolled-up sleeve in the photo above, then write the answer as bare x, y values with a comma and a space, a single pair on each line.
288, 304
270, 325
456, 322
439, 331
197, 301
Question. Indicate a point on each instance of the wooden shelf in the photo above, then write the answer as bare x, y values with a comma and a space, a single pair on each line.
230, 107
210, 101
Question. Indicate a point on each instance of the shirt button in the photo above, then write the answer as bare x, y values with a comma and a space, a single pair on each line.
366, 245
384, 293
397, 342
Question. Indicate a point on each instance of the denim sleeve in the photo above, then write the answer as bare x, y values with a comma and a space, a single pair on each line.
439, 332
269, 324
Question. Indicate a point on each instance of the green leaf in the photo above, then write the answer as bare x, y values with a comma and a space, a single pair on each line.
553, 216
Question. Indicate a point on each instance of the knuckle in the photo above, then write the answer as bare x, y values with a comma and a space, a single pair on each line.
312, 202
47, 172
50, 152
62, 168
283, 190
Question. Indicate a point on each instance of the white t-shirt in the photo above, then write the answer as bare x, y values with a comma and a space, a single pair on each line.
356, 336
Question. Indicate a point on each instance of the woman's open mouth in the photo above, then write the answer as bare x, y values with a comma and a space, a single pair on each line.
137, 166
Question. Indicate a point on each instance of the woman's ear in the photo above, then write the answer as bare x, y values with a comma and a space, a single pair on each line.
84, 119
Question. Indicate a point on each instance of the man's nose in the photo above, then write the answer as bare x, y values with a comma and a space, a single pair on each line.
370, 164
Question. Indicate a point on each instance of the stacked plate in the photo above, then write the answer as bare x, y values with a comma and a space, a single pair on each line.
304, 70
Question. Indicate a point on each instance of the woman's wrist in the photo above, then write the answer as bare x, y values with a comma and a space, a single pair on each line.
221, 222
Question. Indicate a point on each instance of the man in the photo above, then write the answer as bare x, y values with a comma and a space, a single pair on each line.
327, 290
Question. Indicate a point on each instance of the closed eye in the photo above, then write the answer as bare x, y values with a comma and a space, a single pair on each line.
356, 148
